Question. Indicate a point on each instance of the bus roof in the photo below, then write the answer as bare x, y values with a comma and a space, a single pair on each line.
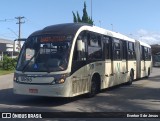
72, 28
68, 28
112, 34
144, 44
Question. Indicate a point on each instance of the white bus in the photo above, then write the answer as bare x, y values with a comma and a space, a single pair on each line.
71, 59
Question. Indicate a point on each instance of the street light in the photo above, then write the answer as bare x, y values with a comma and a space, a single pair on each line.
100, 23
112, 26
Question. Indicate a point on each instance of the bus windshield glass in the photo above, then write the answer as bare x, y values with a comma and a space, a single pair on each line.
45, 53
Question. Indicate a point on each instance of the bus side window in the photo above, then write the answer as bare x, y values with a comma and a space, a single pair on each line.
80, 55
124, 50
106, 47
131, 51
142, 53
117, 49
147, 53
94, 47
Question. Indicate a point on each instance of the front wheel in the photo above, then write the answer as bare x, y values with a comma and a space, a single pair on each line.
93, 89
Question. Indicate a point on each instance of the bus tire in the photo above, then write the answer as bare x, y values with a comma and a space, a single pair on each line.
130, 78
94, 89
148, 73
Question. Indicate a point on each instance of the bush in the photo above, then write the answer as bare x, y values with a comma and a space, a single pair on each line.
1, 64
9, 63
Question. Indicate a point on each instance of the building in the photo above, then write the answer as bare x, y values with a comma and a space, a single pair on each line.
10, 48
6, 48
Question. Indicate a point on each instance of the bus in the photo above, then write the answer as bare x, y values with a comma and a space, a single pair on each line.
156, 60
71, 59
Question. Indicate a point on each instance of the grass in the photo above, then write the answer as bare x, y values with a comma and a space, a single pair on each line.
3, 72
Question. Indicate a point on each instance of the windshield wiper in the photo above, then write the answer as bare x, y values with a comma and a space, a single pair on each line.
26, 65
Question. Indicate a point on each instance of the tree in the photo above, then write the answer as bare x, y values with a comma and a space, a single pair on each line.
90, 21
74, 17
78, 17
85, 17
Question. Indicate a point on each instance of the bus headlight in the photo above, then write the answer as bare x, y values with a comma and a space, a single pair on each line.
15, 78
59, 79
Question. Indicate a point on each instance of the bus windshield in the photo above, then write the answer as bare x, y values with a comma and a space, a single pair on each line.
45, 53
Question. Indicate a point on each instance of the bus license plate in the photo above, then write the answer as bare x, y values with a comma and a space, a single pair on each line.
26, 79
33, 90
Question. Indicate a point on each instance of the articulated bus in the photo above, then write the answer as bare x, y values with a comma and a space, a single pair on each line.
71, 59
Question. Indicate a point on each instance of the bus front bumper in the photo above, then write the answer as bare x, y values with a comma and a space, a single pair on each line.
59, 90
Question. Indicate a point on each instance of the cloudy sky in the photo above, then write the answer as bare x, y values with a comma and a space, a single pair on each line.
150, 37
139, 19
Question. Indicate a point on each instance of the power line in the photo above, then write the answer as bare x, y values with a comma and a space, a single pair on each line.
6, 36
32, 23
13, 31
7, 20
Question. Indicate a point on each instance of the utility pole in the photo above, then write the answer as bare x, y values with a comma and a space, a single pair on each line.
19, 23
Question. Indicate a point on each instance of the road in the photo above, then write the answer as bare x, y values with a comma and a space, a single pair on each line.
142, 96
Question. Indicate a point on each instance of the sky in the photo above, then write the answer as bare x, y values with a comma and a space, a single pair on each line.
138, 19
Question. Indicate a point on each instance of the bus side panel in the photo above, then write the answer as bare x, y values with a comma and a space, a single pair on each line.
132, 65
97, 67
107, 74
117, 72
145, 65
143, 69
124, 70
80, 81
148, 66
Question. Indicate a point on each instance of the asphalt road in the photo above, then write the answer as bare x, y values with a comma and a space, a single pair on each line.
142, 96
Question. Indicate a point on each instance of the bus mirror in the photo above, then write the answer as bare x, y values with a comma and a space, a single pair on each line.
79, 45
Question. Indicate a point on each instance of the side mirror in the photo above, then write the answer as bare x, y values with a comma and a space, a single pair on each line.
80, 45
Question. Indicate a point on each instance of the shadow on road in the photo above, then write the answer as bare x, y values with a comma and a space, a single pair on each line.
155, 78
8, 98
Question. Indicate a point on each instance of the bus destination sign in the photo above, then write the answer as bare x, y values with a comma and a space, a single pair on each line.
52, 39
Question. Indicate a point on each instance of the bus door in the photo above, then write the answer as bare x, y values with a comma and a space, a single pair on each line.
124, 61
117, 61
143, 68
94, 60
107, 53
79, 66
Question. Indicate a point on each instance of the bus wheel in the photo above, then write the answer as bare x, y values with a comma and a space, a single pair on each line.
148, 73
130, 78
93, 89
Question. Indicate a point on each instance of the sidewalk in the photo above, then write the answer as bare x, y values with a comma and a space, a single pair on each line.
6, 81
